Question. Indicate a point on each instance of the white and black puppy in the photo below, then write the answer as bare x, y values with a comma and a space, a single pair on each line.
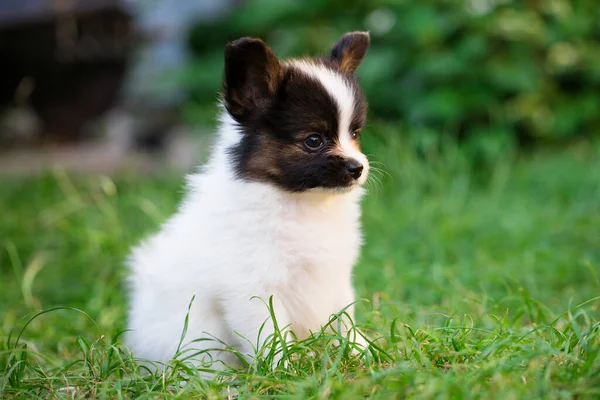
275, 212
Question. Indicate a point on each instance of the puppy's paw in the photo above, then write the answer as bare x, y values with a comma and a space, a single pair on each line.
359, 345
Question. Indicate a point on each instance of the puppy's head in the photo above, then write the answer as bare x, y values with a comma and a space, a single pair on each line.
301, 118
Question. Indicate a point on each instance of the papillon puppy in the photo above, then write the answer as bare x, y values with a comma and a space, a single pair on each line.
274, 214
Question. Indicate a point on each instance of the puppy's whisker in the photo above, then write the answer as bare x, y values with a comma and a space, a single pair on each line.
373, 182
381, 172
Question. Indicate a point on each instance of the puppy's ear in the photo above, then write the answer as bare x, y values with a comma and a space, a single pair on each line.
349, 51
252, 76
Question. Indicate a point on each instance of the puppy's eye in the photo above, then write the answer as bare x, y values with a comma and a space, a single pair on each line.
314, 141
355, 134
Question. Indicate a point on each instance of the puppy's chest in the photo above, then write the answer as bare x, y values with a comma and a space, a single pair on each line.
318, 246
318, 262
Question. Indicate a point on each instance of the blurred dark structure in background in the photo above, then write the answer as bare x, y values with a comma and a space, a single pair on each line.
65, 59
74, 70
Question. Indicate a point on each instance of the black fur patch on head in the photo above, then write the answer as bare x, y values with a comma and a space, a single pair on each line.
275, 129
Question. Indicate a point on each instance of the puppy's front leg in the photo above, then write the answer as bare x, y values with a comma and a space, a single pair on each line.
251, 320
347, 324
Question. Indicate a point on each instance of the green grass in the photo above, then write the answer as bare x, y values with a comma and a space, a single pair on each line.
480, 282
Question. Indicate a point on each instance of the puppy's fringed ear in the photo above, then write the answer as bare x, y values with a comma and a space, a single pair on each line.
350, 50
252, 76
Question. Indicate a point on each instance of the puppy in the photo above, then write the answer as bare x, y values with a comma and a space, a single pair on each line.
274, 213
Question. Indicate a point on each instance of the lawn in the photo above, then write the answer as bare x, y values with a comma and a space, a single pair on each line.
480, 280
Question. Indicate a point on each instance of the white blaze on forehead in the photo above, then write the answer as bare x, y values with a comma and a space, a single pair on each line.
343, 94
336, 86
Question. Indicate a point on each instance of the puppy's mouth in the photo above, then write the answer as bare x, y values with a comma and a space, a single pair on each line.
338, 190
350, 175
345, 186
346, 189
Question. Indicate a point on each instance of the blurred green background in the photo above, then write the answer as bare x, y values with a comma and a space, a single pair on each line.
493, 73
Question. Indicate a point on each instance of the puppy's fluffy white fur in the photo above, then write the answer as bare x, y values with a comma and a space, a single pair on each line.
232, 241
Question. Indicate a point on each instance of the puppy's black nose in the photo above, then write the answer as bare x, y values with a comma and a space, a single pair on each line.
355, 168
